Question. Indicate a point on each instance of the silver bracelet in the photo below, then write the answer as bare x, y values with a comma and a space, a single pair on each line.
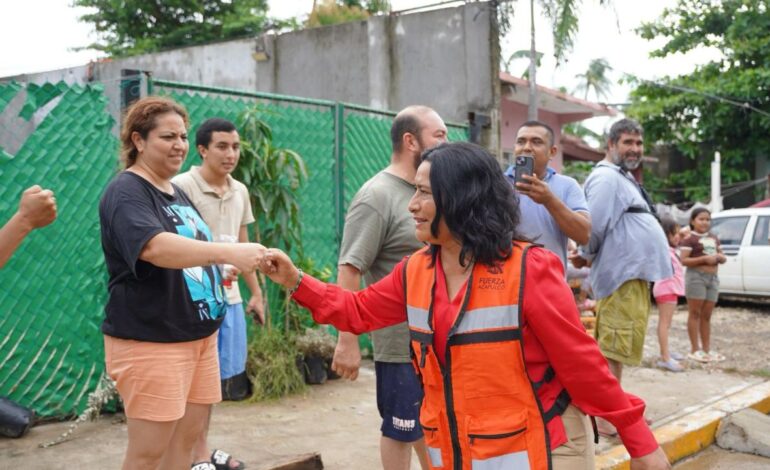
299, 281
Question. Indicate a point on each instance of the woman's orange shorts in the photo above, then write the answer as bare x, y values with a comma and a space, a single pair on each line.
157, 380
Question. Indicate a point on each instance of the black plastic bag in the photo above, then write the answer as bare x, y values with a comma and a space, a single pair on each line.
15, 420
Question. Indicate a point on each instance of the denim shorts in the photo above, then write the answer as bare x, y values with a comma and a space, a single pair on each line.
701, 286
399, 396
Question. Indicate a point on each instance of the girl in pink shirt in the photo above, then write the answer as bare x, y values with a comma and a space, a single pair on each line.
667, 292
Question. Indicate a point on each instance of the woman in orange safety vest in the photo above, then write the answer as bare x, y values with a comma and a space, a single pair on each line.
507, 369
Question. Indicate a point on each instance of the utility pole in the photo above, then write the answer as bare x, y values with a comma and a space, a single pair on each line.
716, 182
532, 112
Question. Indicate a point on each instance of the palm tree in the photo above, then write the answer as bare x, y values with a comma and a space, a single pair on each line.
595, 78
522, 54
564, 16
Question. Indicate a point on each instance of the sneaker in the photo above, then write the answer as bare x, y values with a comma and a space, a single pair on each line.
676, 356
699, 356
715, 356
670, 365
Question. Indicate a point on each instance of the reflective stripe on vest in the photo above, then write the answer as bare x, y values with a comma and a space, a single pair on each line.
434, 453
480, 411
418, 318
506, 316
516, 460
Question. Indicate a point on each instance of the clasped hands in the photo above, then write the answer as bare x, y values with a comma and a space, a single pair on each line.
272, 262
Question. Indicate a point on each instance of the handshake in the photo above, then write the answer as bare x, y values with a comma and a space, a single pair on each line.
272, 262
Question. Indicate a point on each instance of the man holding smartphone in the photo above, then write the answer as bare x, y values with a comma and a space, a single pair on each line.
553, 207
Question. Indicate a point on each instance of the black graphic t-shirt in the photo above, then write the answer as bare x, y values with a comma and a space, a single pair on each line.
147, 302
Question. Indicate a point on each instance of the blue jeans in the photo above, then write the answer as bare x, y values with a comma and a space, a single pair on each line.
232, 343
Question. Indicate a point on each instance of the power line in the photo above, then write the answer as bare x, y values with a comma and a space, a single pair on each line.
729, 189
721, 99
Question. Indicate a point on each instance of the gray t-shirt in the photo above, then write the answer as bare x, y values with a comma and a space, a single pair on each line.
379, 232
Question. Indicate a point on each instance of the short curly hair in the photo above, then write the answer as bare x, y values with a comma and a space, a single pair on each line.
141, 117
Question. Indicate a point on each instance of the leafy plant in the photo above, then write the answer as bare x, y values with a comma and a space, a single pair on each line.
722, 105
578, 170
297, 318
130, 27
272, 175
272, 365
595, 78
522, 54
105, 393
564, 16
330, 12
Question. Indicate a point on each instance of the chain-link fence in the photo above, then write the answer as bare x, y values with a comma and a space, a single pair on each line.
58, 136
342, 145
63, 137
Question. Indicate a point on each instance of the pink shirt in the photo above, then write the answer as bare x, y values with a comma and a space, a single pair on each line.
673, 285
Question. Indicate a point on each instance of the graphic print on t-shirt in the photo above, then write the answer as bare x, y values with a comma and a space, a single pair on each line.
709, 245
203, 282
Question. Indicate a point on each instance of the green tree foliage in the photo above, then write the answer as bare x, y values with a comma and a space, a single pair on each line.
578, 170
129, 27
328, 12
723, 105
522, 54
595, 78
565, 23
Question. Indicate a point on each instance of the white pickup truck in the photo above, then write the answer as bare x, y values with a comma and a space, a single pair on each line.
745, 238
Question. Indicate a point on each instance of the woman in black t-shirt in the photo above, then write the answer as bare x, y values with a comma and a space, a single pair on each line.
165, 294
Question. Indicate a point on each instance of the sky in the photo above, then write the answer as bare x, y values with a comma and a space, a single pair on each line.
39, 35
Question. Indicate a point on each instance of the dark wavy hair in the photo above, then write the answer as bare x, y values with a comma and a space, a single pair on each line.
695, 213
475, 200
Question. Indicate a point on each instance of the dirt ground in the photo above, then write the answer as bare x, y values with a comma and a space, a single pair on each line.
740, 329
339, 419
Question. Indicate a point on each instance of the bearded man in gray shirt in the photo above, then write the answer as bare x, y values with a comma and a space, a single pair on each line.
379, 231
626, 251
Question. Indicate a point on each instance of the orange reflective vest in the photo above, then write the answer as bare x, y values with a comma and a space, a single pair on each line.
480, 410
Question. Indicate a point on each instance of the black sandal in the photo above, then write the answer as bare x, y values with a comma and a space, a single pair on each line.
203, 466
221, 461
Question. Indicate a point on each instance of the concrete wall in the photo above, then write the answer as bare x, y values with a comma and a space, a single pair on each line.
444, 58
447, 59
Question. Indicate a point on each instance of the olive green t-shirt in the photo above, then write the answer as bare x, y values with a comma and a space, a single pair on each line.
379, 231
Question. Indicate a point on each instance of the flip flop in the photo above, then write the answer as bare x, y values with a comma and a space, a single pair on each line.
222, 459
203, 466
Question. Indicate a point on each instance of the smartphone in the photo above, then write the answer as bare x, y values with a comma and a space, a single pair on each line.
525, 165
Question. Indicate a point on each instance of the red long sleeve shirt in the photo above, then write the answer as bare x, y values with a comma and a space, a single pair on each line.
552, 334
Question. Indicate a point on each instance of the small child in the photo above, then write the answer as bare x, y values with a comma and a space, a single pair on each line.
702, 255
666, 293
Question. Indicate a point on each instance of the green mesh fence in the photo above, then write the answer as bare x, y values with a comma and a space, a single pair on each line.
303, 127
54, 286
308, 127
61, 137
309, 130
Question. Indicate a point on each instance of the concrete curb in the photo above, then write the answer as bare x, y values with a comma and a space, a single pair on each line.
693, 430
